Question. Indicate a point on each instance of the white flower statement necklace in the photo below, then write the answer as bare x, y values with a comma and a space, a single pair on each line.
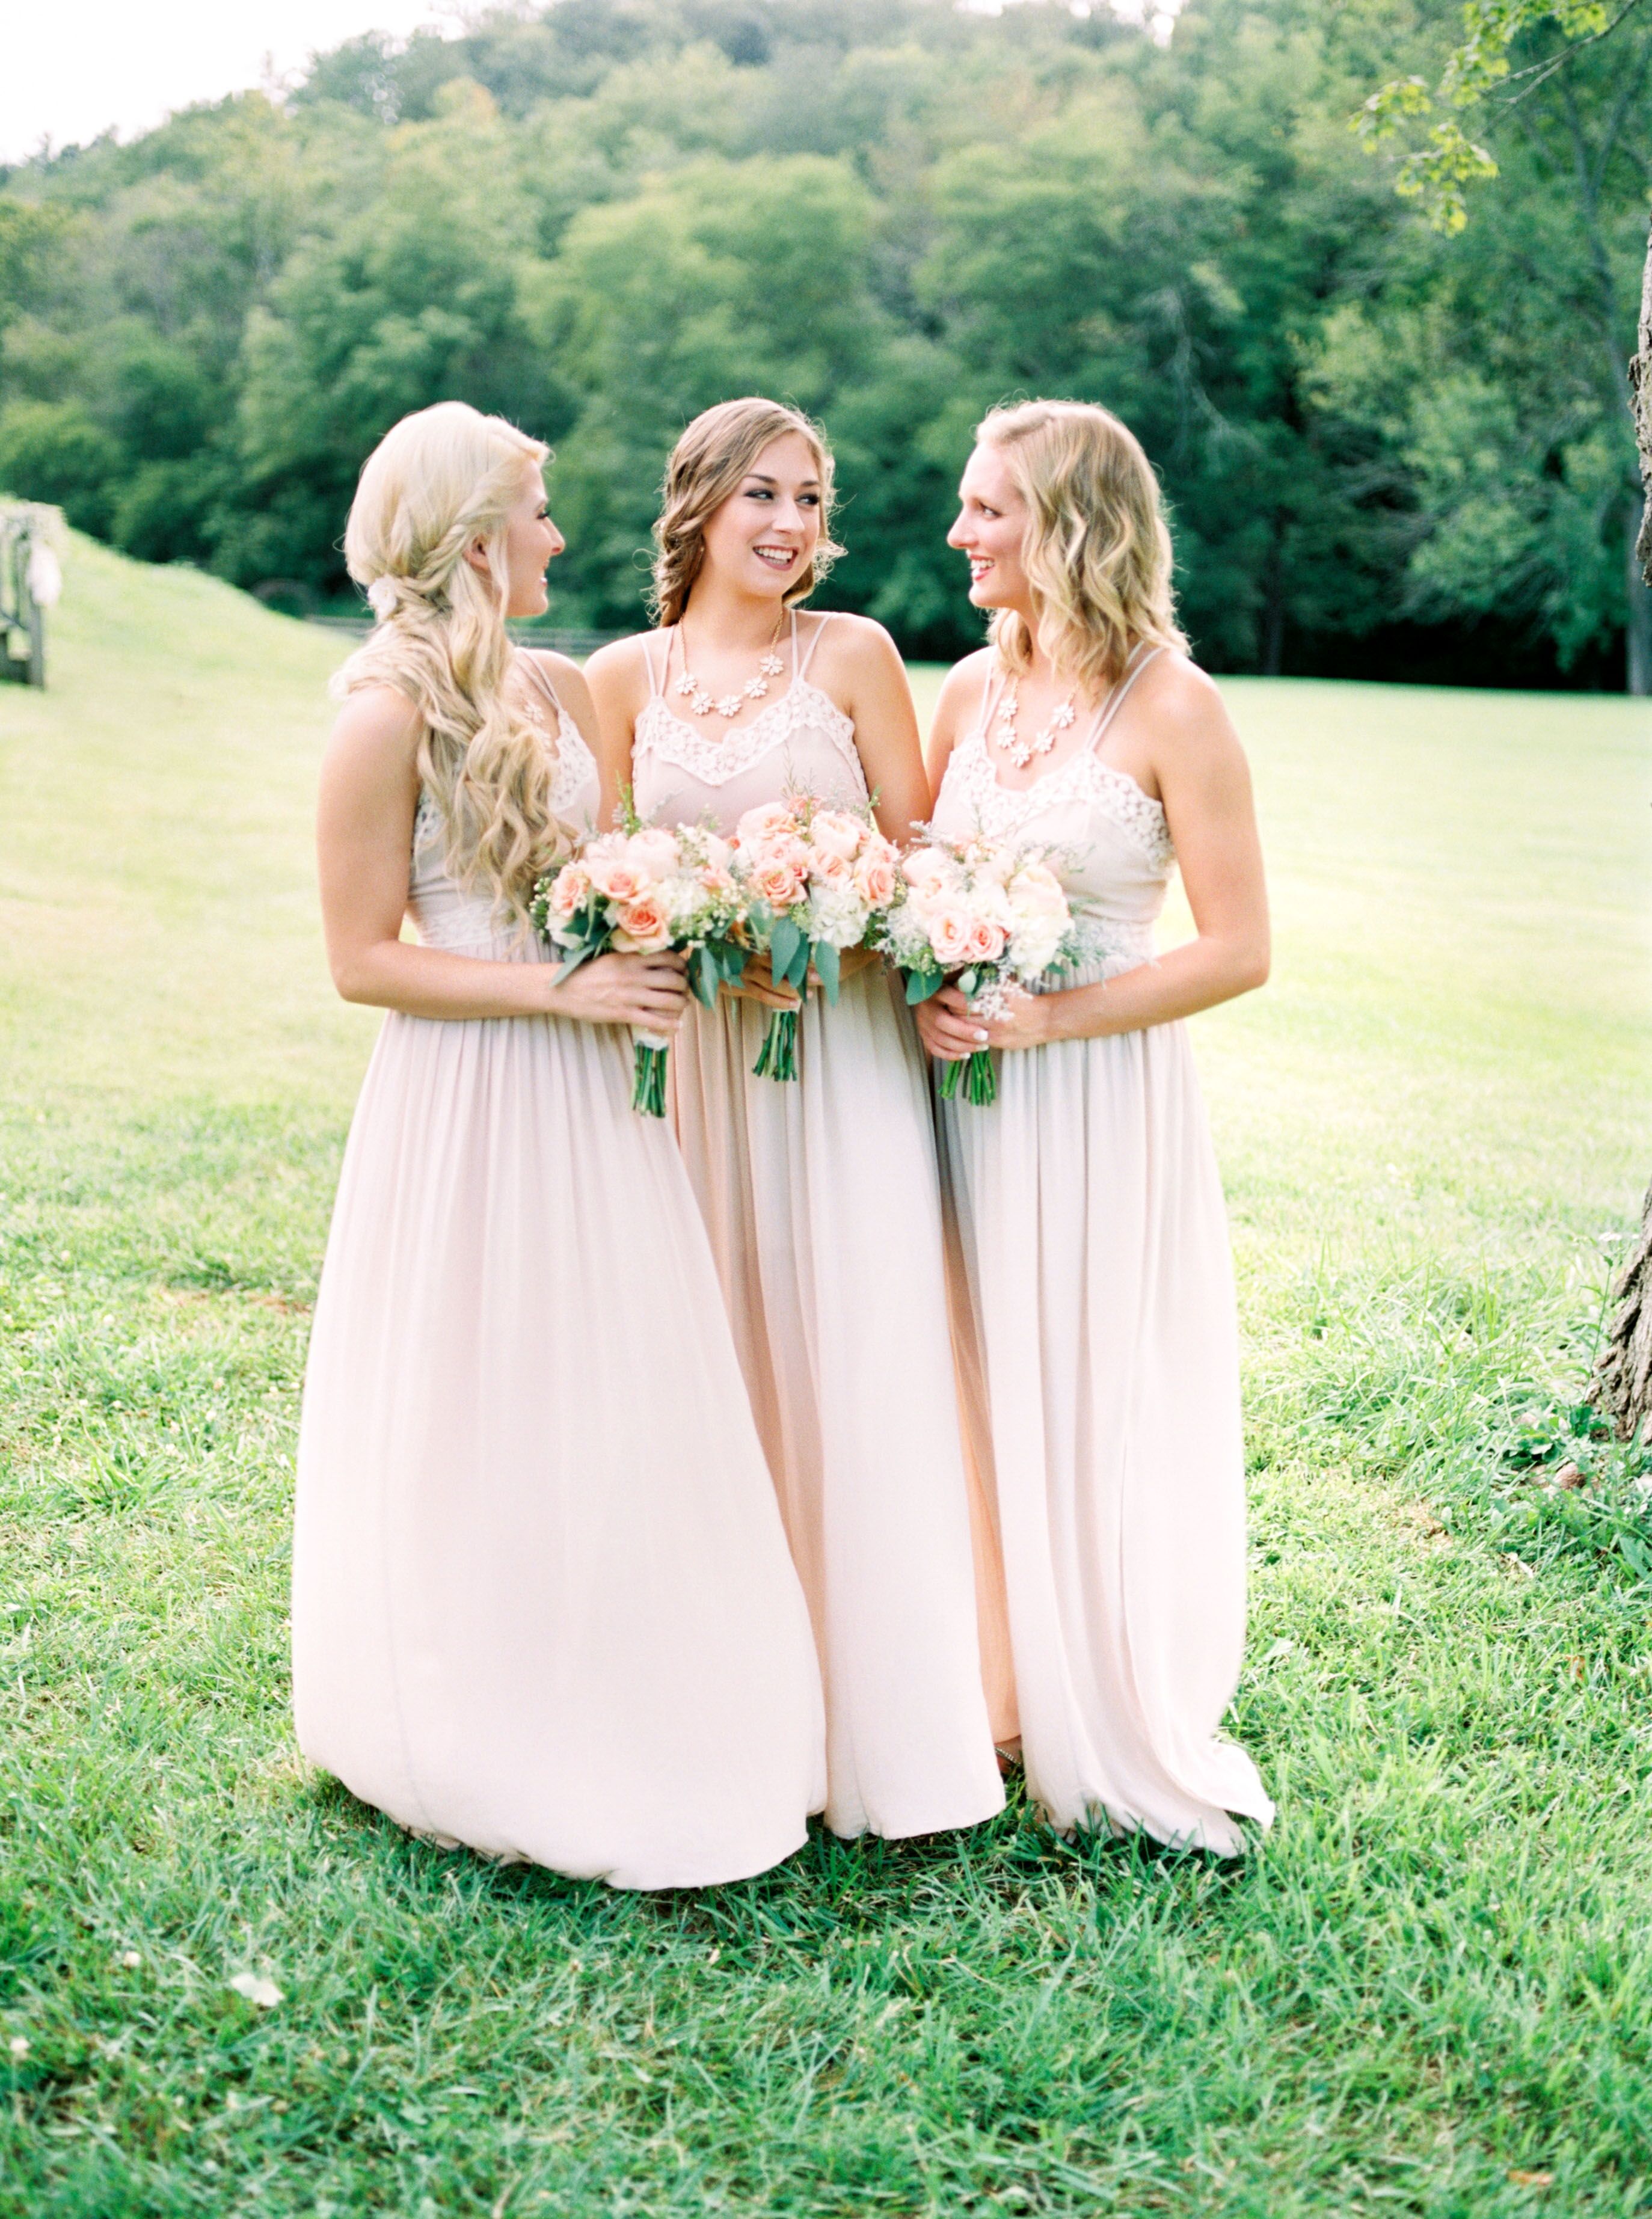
704, 703
1020, 751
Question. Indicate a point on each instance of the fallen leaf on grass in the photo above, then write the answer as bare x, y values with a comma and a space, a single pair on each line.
257, 1990
1533, 2179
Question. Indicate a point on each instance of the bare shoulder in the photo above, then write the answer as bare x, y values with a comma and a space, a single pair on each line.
623, 663
1185, 709
557, 668
376, 724
848, 642
965, 682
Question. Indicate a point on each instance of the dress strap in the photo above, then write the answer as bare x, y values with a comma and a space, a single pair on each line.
998, 681
801, 670
536, 672
1115, 701
657, 679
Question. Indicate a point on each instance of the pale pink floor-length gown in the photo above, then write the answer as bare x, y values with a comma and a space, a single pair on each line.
543, 1602
1100, 1347
822, 1201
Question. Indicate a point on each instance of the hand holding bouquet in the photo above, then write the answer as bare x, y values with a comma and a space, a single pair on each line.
818, 881
986, 916
639, 890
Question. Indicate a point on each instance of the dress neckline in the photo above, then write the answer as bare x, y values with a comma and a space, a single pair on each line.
1112, 702
717, 742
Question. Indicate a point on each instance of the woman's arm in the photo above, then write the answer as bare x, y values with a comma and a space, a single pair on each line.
615, 682
961, 690
866, 675
1205, 783
369, 793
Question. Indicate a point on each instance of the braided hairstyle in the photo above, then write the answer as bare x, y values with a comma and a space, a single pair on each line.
438, 482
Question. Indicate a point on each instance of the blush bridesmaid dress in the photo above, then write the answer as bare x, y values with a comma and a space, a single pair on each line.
1102, 1347
821, 1198
543, 1602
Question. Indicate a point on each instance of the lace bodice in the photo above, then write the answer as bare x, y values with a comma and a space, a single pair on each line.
452, 917
1107, 840
801, 743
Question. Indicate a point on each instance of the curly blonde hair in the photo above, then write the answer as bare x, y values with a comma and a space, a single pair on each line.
706, 468
1096, 550
438, 482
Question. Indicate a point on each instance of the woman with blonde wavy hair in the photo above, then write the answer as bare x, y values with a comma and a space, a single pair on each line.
820, 1197
1094, 1290
542, 1600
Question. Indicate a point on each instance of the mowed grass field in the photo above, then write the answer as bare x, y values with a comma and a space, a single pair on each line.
1428, 1991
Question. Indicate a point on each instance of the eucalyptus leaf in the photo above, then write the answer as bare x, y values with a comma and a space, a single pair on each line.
827, 965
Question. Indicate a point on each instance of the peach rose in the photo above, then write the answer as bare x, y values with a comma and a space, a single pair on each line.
762, 824
836, 834
777, 880
615, 877
830, 868
654, 850
950, 926
986, 941
874, 878
928, 868
570, 890
644, 926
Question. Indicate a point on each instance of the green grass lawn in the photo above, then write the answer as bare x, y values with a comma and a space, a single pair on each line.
1429, 1992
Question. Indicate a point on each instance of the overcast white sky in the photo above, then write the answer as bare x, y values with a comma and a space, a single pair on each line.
70, 68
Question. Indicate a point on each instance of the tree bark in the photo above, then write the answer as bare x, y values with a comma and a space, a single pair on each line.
1622, 1386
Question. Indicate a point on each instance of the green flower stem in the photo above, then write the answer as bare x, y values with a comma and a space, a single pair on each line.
777, 1058
975, 1074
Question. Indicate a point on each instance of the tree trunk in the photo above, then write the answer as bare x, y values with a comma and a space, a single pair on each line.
1638, 629
1640, 386
1622, 1387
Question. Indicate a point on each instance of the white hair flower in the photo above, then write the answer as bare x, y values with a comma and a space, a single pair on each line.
382, 596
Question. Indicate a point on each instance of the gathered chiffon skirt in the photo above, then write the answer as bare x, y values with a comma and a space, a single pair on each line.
1100, 1363
820, 1198
543, 1602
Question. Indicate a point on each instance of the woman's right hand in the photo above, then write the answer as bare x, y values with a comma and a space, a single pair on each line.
649, 993
947, 1026
756, 983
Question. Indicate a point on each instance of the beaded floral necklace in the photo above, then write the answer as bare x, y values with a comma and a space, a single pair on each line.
704, 703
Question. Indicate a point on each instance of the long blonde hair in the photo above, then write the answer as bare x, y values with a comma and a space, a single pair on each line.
706, 468
437, 482
1096, 550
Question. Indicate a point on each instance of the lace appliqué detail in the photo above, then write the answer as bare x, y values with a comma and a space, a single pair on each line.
574, 760
574, 764
1000, 811
713, 761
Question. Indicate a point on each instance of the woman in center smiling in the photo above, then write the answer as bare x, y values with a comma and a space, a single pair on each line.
820, 1195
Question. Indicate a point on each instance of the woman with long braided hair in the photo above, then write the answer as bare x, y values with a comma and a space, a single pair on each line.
542, 1600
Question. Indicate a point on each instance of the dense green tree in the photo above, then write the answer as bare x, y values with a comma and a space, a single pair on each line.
1383, 450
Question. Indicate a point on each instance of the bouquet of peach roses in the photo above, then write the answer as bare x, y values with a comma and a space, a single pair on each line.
639, 890
818, 881
988, 917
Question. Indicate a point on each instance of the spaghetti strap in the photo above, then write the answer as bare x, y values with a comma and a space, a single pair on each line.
536, 671
800, 670
657, 679
1115, 701
998, 680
